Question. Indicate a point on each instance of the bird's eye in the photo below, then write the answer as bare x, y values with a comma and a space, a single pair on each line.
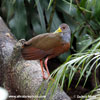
63, 27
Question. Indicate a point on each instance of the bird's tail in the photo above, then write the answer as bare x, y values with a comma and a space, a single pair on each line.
31, 53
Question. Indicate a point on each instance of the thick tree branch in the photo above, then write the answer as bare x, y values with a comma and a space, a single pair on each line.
20, 76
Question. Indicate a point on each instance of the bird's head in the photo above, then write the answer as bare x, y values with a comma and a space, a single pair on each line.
65, 32
64, 28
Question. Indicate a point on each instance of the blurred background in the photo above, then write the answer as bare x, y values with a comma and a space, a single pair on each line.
27, 18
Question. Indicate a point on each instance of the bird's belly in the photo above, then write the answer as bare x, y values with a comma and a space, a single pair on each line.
59, 50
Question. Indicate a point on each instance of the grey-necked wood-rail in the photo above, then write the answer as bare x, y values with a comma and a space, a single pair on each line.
47, 46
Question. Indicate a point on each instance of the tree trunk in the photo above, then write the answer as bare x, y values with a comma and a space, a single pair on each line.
20, 77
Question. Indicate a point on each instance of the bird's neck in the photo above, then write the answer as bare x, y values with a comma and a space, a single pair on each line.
66, 37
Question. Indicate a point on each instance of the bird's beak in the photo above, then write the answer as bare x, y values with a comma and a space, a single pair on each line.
58, 30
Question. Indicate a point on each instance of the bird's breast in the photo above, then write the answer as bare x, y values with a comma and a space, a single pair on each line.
59, 50
66, 37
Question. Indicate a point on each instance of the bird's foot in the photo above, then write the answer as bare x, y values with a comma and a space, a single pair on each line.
48, 78
45, 78
22, 41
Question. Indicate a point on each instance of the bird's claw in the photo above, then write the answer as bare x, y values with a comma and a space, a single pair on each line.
45, 78
22, 41
48, 78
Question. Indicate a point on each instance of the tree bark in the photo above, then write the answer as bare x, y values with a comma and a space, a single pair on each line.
20, 77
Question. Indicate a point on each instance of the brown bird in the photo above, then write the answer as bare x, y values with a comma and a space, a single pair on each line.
48, 45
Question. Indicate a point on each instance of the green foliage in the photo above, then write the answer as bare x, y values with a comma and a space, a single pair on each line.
82, 63
86, 29
27, 16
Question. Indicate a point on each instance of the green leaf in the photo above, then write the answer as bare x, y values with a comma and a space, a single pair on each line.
41, 16
83, 41
64, 56
55, 22
18, 23
50, 3
36, 24
83, 3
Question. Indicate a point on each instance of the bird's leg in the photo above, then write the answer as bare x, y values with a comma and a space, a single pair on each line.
45, 62
41, 63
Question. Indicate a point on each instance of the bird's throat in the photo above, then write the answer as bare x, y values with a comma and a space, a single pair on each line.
66, 37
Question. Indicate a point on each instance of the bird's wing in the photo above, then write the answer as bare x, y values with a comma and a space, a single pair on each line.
31, 53
45, 41
38, 47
